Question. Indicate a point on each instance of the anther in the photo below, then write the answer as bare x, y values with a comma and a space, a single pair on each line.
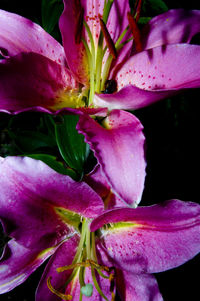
109, 42
113, 297
85, 264
137, 10
135, 32
57, 293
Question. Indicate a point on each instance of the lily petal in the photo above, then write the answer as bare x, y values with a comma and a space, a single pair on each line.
117, 20
119, 149
75, 51
33, 196
154, 74
155, 238
131, 98
17, 263
29, 80
173, 27
97, 181
99, 184
18, 34
167, 67
62, 257
141, 287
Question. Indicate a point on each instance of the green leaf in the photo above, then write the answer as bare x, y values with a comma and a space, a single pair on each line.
51, 11
29, 141
71, 144
144, 20
50, 125
52, 162
154, 7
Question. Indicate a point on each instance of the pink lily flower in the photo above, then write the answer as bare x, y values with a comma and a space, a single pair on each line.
94, 253
39, 74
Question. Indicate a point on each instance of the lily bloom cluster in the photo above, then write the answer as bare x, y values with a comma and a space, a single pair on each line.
39, 74
99, 245
94, 253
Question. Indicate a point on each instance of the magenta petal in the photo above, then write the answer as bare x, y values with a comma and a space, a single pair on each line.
119, 148
75, 52
174, 26
131, 98
99, 184
29, 80
17, 263
154, 74
137, 287
30, 193
97, 181
155, 239
32, 81
162, 68
117, 20
18, 34
62, 257
101, 112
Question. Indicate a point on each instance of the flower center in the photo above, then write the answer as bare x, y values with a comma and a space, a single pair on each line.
86, 258
99, 58
100, 55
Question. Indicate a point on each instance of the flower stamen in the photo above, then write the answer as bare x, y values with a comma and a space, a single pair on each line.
137, 10
57, 293
109, 42
86, 264
94, 266
86, 257
135, 32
